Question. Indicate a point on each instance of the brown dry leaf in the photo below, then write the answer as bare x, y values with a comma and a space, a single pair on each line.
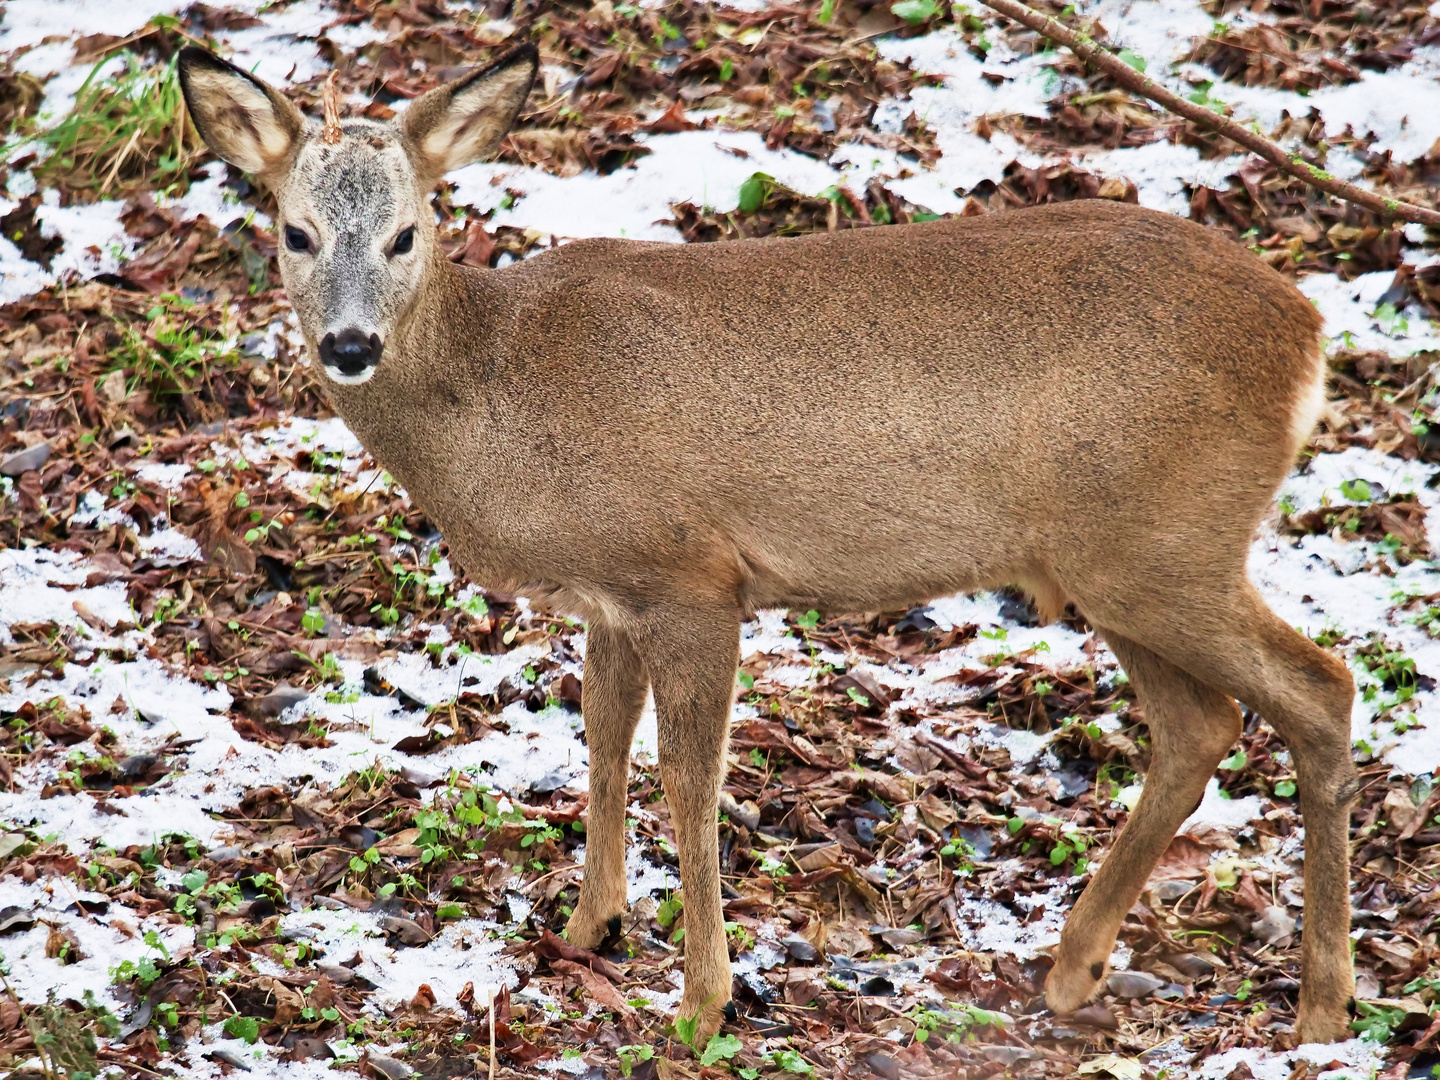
217, 540
849, 938
9, 1013
671, 120
599, 989
1399, 809
61, 944
288, 1002
937, 812
820, 858
1184, 859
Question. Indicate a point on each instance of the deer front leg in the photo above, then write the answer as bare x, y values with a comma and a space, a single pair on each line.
612, 698
692, 656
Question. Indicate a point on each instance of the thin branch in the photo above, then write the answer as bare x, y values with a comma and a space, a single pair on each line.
1293, 164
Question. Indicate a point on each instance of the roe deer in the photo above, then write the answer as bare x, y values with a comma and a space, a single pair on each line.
1093, 401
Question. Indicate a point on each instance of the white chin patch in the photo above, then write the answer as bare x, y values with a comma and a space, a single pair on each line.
336, 375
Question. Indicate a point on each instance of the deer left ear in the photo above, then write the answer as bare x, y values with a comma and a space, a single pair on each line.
249, 124
465, 120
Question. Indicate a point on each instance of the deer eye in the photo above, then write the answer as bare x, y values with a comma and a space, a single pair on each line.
295, 239
404, 242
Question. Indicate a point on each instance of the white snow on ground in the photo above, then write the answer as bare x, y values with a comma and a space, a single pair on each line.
95, 243
1360, 1058
688, 166
40, 586
1400, 107
282, 50
211, 198
1354, 316
29, 22
953, 108
106, 940
988, 927
1218, 809
462, 951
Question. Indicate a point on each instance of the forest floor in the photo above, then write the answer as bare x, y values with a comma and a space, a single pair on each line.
281, 791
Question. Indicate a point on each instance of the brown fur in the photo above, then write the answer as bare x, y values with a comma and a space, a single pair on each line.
1095, 401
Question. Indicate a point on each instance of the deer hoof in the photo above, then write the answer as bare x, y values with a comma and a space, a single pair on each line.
707, 1018
1070, 985
587, 930
1323, 1025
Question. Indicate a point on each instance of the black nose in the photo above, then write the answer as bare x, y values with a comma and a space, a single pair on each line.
350, 351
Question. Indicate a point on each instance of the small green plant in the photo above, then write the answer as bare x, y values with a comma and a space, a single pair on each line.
915, 12
172, 355
360, 864
125, 130
64, 1040
245, 1028
754, 191
686, 1028
790, 1061
1356, 490
1392, 679
1201, 96
720, 1048
1392, 323
669, 910
144, 971
957, 847
1376, 1022
742, 937
953, 1023
1131, 57
630, 1056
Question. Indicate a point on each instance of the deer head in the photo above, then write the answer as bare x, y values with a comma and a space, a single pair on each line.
355, 222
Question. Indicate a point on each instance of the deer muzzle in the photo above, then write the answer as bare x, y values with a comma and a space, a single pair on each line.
350, 355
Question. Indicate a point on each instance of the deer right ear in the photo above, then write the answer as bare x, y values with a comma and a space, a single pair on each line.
251, 125
465, 120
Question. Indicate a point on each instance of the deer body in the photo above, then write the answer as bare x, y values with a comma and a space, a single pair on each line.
1093, 401
855, 421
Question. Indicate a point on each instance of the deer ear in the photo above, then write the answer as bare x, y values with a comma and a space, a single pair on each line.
249, 124
465, 120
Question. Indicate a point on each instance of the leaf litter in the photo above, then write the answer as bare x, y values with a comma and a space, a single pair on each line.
284, 793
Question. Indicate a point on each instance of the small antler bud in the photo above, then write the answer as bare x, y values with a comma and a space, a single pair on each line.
331, 133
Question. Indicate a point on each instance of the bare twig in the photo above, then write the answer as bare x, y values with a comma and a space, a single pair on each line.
1136, 81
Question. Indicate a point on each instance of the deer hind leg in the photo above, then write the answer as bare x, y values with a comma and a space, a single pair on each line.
1230, 640
612, 698
1191, 728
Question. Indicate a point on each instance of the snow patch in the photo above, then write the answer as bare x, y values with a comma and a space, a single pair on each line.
1351, 309
1219, 809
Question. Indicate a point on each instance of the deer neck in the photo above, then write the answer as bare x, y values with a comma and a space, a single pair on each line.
431, 387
